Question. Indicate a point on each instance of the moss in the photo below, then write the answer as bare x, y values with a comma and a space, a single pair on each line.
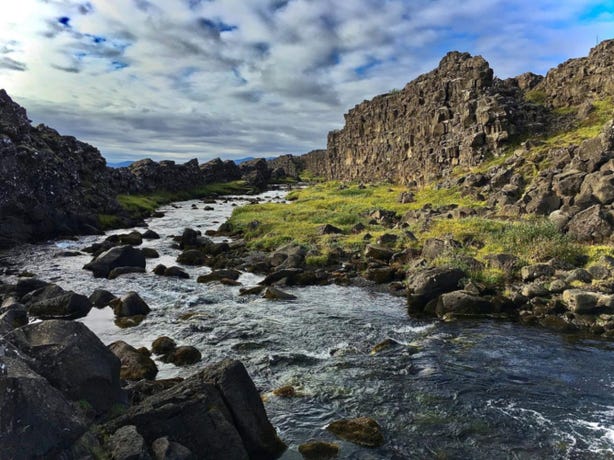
108, 221
536, 96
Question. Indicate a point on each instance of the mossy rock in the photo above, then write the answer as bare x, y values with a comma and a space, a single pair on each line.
363, 431
318, 450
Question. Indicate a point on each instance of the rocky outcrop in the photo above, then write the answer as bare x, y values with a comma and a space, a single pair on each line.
51, 184
458, 114
579, 80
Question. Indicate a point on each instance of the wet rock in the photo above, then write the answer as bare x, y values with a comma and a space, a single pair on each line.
163, 345
218, 275
318, 450
175, 272
53, 302
363, 431
217, 413
124, 322
165, 449
535, 271
272, 293
289, 274
580, 301
150, 253
27, 405
384, 345
556, 323
286, 391
134, 365
101, 298
72, 359
139, 390
192, 257
426, 285
182, 356
461, 303
377, 252
127, 444
133, 238
116, 272
254, 290
129, 305
121, 256
159, 269
25, 286
150, 235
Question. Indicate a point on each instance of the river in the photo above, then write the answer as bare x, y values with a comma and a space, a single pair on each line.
460, 390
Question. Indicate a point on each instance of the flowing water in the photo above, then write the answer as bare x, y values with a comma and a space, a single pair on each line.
470, 389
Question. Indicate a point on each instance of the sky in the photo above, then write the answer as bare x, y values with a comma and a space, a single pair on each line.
182, 79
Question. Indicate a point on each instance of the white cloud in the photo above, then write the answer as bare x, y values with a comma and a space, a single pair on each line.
186, 78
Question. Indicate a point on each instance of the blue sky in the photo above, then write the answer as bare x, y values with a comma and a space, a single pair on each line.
178, 79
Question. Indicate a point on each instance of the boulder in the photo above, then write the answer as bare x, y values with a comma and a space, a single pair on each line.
175, 272
163, 345
134, 364
289, 256
289, 274
242, 398
182, 356
127, 444
101, 298
118, 271
165, 449
377, 252
150, 235
461, 303
590, 225
120, 256
426, 285
580, 301
12, 316
192, 257
380, 275
73, 360
363, 431
272, 293
318, 450
329, 229
150, 253
53, 302
218, 275
129, 305
535, 271
216, 413
36, 419
133, 238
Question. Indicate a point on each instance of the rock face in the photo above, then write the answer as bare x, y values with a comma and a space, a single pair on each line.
51, 184
458, 114
216, 413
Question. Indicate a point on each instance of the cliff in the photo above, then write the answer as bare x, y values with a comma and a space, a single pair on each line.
456, 115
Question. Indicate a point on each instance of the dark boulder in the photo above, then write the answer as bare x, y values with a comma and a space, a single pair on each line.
272, 293
218, 275
36, 420
120, 256
377, 252
175, 272
101, 298
462, 303
192, 257
119, 271
150, 253
129, 305
590, 225
363, 431
150, 235
163, 345
134, 364
426, 285
165, 449
53, 302
182, 356
73, 360
133, 238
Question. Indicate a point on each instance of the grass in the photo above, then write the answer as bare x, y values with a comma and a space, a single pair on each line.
144, 205
108, 221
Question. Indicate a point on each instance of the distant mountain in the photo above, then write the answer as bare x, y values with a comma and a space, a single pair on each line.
243, 160
120, 164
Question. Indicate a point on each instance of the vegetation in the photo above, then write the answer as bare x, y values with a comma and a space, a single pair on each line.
144, 205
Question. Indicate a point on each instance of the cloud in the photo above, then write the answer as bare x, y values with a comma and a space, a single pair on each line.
185, 78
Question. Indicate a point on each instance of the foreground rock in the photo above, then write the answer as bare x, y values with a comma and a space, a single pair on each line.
53, 302
130, 305
217, 413
429, 284
135, 365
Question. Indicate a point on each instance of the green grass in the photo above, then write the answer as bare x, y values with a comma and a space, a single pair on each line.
108, 221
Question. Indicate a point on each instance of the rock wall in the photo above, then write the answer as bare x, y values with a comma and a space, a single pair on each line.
50, 184
579, 80
458, 114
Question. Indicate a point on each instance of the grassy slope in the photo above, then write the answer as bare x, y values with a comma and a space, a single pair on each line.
531, 239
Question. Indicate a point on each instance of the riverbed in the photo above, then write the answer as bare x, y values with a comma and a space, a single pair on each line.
468, 390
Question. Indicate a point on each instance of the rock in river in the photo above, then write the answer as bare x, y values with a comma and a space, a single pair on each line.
363, 431
130, 305
120, 256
